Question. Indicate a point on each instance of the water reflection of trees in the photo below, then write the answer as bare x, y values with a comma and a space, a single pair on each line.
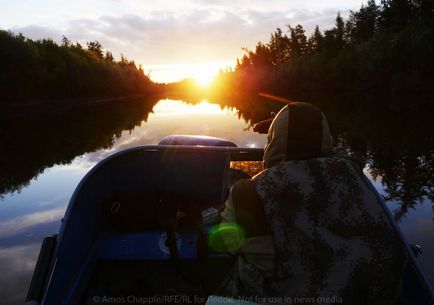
397, 144
33, 143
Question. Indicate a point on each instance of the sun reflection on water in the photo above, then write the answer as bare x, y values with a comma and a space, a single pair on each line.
180, 108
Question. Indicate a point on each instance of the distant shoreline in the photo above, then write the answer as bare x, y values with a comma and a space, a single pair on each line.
13, 110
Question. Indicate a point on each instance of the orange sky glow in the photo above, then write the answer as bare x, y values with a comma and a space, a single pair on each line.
172, 40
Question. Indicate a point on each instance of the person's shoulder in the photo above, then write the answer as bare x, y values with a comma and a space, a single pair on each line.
242, 185
342, 154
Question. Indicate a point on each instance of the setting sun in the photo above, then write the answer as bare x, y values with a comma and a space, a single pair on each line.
204, 76
203, 73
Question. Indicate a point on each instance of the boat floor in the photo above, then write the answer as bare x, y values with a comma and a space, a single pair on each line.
115, 281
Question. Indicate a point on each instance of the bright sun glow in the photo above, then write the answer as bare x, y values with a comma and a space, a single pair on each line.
203, 73
178, 108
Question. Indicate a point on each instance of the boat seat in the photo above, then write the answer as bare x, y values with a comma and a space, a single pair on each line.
146, 246
150, 211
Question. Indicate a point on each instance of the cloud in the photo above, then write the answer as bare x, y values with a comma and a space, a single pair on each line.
192, 36
17, 264
23, 222
38, 32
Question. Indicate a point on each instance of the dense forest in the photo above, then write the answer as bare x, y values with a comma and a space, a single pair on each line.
44, 70
380, 49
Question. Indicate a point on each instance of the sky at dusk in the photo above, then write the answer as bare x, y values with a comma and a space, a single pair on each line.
171, 39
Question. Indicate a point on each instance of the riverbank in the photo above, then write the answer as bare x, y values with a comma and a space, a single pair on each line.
32, 108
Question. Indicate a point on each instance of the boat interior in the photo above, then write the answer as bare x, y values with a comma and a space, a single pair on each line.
139, 222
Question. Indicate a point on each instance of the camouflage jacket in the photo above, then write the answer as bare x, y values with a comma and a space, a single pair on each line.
330, 235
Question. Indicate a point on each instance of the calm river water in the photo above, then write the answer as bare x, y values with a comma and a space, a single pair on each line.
45, 158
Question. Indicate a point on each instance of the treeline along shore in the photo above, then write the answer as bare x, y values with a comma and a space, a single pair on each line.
381, 49
45, 70
385, 49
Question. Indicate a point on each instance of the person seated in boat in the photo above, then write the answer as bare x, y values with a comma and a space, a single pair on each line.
314, 227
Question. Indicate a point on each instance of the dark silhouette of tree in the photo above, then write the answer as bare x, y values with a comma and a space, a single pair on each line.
340, 32
316, 41
298, 41
365, 22
279, 46
42, 70
65, 41
334, 39
95, 47
396, 13
109, 56
424, 9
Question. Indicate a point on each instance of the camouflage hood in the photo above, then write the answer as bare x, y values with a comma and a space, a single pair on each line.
299, 131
